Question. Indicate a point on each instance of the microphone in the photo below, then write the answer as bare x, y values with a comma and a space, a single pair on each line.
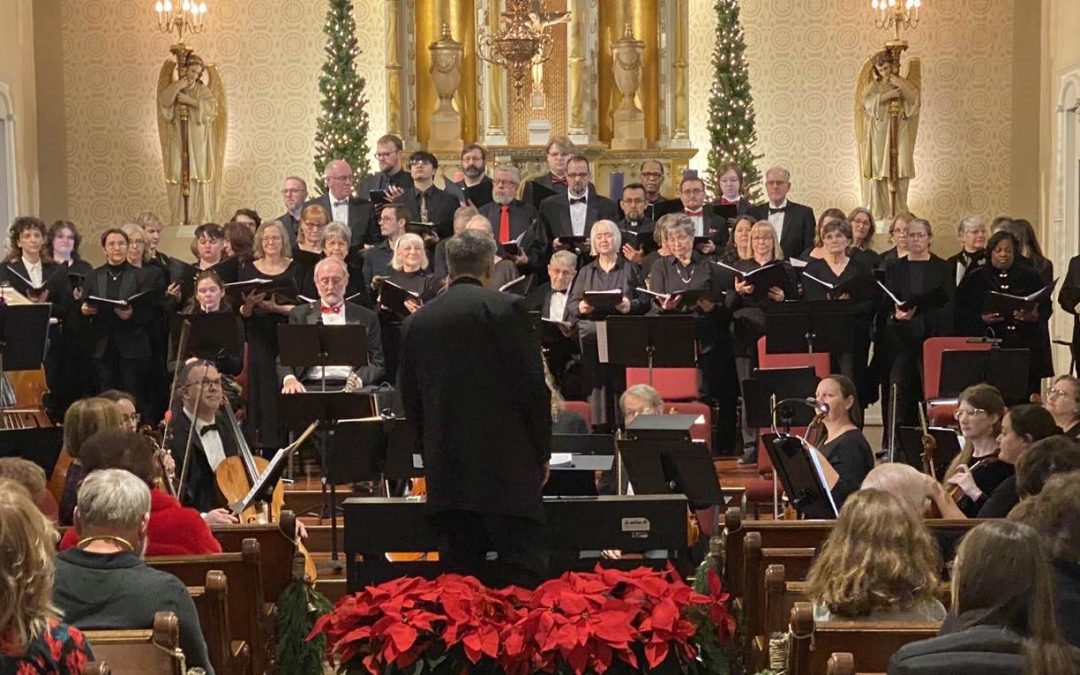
819, 407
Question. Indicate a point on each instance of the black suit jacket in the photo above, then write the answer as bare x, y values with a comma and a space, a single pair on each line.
555, 214
199, 490
292, 224
483, 423
539, 300
309, 313
362, 223
130, 337
797, 234
440, 209
523, 220
1069, 297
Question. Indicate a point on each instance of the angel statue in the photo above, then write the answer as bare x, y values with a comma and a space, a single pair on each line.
192, 127
886, 124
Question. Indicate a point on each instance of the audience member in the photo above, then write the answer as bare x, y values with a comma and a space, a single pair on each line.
1042, 460
1062, 399
81, 421
32, 478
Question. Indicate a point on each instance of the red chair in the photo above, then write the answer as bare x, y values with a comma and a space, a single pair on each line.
701, 431
580, 407
820, 360
940, 413
673, 384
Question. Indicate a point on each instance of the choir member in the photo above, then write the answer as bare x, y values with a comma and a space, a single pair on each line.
738, 245
729, 185
898, 234
513, 219
308, 250
976, 471
377, 259
551, 299
792, 222
862, 237
294, 193
121, 351
426, 202
26, 262
835, 268
662, 251
846, 453
706, 222
249, 218
817, 249
1062, 399
971, 233
210, 298
651, 173
409, 270
75, 331
156, 278
572, 214
558, 152
461, 216
925, 281
340, 203
335, 244
473, 173
503, 270
262, 315
390, 178
610, 271
1031, 251
632, 203
1024, 328
152, 226
208, 245
747, 305
237, 248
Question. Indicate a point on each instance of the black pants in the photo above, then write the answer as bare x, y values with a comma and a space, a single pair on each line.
127, 375
465, 537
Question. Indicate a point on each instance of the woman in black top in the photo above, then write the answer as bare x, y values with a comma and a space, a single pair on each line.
847, 454
862, 238
335, 244
1022, 427
1023, 328
738, 244
971, 233
308, 250
67, 355
409, 270
925, 283
1062, 400
977, 470
210, 298
608, 272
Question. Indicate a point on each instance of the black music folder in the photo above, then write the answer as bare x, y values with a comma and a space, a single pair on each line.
480, 194
687, 298
278, 288
997, 302
773, 275
139, 300
393, 297
604, 301
859, 288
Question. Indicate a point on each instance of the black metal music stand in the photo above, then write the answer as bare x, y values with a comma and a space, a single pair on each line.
947, 446
1006, 369
575, 459
809, 326
319, 346
24, 332
768, 384
651, 342
667, 467
803, 484
215, 336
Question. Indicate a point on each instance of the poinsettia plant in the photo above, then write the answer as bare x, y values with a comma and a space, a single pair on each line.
583, 623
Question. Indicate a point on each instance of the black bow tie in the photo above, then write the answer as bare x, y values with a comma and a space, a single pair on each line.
779, 210
579, 200
207, 429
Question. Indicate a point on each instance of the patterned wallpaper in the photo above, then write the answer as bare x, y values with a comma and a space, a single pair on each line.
804, 60
269, 53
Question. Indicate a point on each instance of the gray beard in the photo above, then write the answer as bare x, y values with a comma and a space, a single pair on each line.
502, 199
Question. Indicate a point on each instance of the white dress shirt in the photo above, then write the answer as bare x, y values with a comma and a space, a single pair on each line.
777, 219
557, 310
340, 209
212, 446
332, 372
33, 271
577, 214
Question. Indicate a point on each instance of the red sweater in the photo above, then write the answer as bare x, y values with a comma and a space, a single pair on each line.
173, 529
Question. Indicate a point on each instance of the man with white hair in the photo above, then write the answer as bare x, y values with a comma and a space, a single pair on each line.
793, 223
514, 220
343, 206
104, 583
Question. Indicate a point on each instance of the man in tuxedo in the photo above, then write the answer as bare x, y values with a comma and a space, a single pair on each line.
514, 220
573, 214
427, 203
550, 300
482, 423
473, 168
706, 223
331, 278
390, 177
201, 396
559, 150
294, 193
793, 223
633, 203
345, 207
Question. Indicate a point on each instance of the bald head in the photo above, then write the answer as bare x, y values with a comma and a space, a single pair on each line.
901, 481
479, 223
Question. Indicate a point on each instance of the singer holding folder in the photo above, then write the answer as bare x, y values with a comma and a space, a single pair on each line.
605, 286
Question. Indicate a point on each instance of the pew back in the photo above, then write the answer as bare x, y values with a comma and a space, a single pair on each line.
277, 546
227, 656
152, 651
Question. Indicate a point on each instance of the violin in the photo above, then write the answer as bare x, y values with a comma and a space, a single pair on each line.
955, 492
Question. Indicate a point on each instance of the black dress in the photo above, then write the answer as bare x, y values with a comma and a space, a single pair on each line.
854, 364
426, 285
261, 421
850, 455
603, 383
67, 354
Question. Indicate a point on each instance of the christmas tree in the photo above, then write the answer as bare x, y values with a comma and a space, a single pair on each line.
731, 107
342, 128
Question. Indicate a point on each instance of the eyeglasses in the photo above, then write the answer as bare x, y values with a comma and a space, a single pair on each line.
289, 191
578, 175
763, 237
1055, 393
384, 155
134, 417
917, 235
208, 383
503, 183
651, 174
961, 413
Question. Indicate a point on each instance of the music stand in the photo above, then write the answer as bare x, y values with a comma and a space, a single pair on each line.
214, 336
575, 459
319, 345
1006, 369
28, 326
764, 383
809, 326
798, 473
648, 342
666, 467
911, 447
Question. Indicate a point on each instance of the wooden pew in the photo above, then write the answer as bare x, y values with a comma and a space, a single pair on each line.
780, 596
247, 614
277, 546
151, 651
841, 663
757, 560
874, 641
228, 656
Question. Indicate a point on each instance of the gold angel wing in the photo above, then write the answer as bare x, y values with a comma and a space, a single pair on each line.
220, 129
165, 78
866, 77
914, 76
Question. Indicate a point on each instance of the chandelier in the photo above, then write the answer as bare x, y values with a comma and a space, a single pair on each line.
187, 16
896, 14
524, 40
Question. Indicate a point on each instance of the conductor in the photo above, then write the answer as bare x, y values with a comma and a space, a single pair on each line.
482, 421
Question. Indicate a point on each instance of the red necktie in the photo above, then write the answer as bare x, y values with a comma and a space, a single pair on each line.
330, 310
504, 224
556, 180
692, 214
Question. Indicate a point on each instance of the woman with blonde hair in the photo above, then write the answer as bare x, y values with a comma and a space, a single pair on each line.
81, 421
878, 563
32, 638
409, 271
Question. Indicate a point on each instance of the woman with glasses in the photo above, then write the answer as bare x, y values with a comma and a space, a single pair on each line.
817, 250
262, 313
308, 250
335, 244
155, 277
408, 270
1062, 400
976, 471
898, 234
862, 237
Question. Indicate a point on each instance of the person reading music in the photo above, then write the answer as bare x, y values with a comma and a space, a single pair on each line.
67, 348
793, 222
610, 271
173, 529
34, 640
862, 237
558, 152
390, 177
377, 259
26, 261
157, 279
237, 249
738, 244
551, 300
633, 202
473, 172
747, 306
916, 279
294, 192
662, 251
262, 314
331, 278
651, 175
898, 235
104, 583
484, 474
729, 186
426, 202
971, 233
335, 244
1062, 399
409, 271
210, 298
817, 249
200, 395
976, 471
573, 214
308, 248
879, 563
513, 220
845, 454
1023, 328
706, 223
342, 204
503, 269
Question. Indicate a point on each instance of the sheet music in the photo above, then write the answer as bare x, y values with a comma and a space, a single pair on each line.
821, 475
558, 458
